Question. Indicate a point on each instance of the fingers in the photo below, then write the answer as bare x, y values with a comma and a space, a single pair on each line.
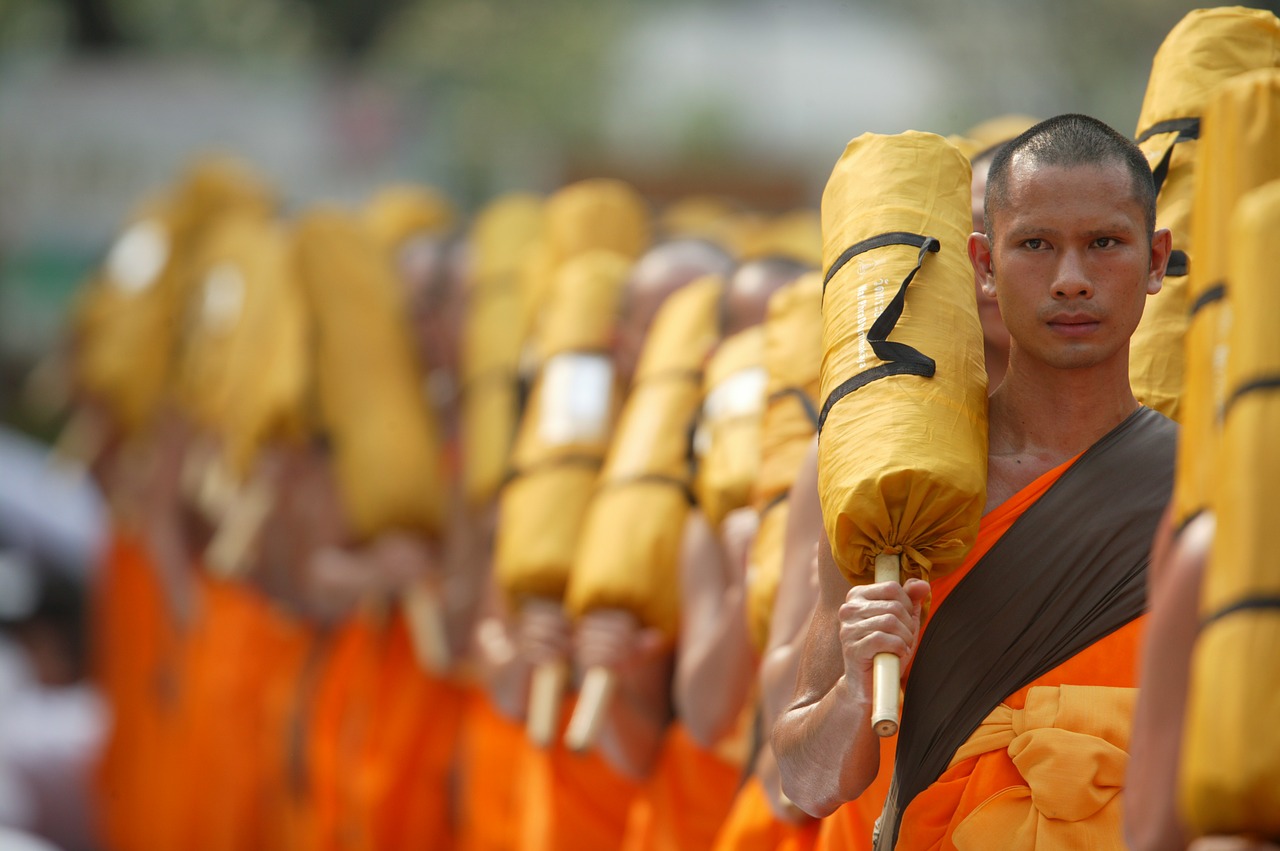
879, 618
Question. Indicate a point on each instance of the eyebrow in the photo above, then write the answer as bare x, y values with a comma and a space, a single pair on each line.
1115, 228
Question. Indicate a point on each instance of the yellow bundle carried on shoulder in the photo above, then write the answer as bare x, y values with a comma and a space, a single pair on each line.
726, 440
1205, 48
628, 554
384, 437
793, 360
565, 430
1230, 774
501, 238
902, 453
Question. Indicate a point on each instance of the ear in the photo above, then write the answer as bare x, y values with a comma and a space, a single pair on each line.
1161, 248
983, 263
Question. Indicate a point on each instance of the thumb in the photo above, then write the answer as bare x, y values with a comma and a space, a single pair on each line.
918, 592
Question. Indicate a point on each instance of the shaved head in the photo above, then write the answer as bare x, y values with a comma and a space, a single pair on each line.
750, 287
658, 273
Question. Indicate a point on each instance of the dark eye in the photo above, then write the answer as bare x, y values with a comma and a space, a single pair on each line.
1035, 244
1105, 241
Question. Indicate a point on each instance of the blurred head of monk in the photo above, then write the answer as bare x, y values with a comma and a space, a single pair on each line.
658, 273
433, 268
995, 337
751, 285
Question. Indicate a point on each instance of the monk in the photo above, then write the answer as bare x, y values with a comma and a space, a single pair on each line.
700, 766
582, 801
995, 685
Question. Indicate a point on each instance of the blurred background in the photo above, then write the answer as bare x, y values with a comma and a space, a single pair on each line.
102, 100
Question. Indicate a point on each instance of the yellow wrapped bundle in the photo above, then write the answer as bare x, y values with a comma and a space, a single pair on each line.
565, 430
501, 237
398, 213
384, 437
1206, 48
627, 556
1237, 153
1230, 777
128, 319
793, 359
902, 455
585, 216
795, 236
703, 217
726, 442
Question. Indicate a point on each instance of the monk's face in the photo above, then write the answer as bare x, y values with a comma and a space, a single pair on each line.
1070, 262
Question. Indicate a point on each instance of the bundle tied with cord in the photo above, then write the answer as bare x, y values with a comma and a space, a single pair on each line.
500, 238
1237, 152
1206, 48
726, 440
792, 358
903, 434
243, 375
563, 437
628, 557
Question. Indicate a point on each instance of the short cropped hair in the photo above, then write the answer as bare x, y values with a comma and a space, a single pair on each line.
1072, 140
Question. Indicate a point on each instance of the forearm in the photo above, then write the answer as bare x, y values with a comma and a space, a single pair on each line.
637, 718
826, 751
715, 673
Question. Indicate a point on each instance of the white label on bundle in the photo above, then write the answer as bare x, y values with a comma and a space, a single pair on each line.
577, 391
223, 298
138, 257
740, 394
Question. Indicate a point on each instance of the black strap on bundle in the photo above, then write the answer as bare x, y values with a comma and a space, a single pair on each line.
1256, 385
802, 397
1248, 604
1178, 264
653, 479
900, 359
1188, 129
1217, 292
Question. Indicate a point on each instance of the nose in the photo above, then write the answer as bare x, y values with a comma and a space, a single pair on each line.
1072, 279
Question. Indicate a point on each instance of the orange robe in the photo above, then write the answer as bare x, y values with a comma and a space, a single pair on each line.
568, 801
682, 806
488, 795
752, 826
136, 642
383, 744
991, 779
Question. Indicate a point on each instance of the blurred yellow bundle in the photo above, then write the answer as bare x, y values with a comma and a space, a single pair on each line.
796, 235
793, 361
1206, 48
704, 217
1237, 152
384, 439
127, 321
397, 213
1230, 776
585, 216
501, 238
902, 459
996, 131
628, 554
565, 430
726, 441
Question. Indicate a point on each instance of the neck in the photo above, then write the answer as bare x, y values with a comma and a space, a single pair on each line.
997, 362
1055, 414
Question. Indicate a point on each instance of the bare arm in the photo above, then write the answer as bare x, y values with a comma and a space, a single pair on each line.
826, 750
499, 665
637, 716
714, 660
1150, 799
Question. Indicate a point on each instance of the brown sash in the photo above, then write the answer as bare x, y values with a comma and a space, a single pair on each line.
1069, 571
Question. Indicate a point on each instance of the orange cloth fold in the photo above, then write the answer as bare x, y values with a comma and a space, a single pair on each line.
571, 802
488, 794
683, 805
752, 826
